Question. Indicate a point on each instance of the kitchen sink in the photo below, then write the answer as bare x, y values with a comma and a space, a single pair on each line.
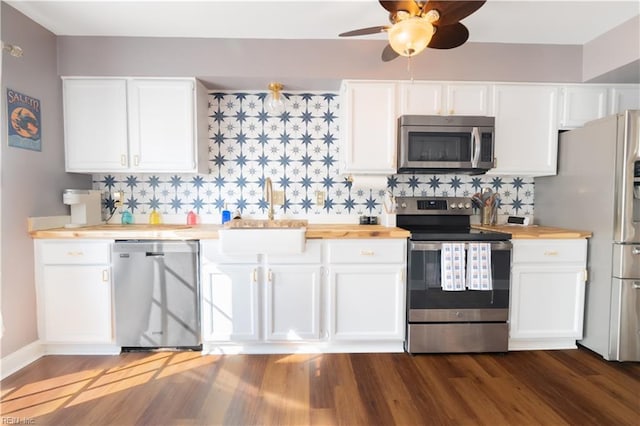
258, 236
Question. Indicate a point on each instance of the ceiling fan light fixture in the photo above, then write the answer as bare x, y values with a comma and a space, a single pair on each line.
410, 36
274, 101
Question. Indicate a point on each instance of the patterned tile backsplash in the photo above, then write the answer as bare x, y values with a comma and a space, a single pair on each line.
298, 150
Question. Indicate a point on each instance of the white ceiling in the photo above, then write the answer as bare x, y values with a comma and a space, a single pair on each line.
498, 21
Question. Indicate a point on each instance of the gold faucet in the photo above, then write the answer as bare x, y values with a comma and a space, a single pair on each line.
268, 195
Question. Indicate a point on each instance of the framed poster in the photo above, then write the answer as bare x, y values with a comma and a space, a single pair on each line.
23, 113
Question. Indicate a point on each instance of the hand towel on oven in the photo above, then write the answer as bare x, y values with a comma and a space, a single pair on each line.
452, 271
479, 267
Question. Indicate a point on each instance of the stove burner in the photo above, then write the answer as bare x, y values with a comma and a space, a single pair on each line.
441, 219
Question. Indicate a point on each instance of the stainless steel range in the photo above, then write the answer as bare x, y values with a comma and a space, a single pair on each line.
453, 312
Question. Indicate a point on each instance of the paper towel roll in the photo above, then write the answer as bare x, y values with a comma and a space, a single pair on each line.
369, 182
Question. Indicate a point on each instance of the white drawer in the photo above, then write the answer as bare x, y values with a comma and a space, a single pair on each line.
367, 251
546, 251
72, 252
210, 252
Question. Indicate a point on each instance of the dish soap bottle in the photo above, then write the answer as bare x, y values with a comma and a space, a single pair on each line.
226, 215
155, 218
192, 218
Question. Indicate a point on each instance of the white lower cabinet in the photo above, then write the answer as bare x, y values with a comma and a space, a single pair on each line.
260, 299
367, 303
292, 302
547, 294
338, 295
73, 281
367, 289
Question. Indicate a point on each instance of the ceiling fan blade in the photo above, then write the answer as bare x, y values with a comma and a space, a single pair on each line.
452, 11
449, 36
364, 31
408, 5
388, 54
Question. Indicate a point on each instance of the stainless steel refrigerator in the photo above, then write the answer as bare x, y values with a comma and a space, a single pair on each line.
597, 189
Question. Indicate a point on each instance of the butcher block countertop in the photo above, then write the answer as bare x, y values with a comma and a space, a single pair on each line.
202, 232
534, 231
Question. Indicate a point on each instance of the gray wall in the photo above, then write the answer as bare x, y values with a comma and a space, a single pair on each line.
32, 182
251, 64
615, 55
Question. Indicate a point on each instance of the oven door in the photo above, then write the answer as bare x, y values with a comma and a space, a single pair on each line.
447, 148
428, 302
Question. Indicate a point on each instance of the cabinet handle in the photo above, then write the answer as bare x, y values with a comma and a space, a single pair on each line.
635, 250
136, 160
75, 253
550, 252
451, 112
270, 275
636, 285
123, 160
586, 275
105, 275
254, 275
367, 252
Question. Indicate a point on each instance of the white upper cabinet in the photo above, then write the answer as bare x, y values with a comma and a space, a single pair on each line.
419, 98
425, 98
368, 128
137, 125
526, 136
95, 125
624, 97
582, 103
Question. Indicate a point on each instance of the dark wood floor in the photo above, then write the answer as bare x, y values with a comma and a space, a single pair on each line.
165, 388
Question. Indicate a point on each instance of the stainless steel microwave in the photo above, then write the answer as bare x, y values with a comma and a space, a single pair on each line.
445, 144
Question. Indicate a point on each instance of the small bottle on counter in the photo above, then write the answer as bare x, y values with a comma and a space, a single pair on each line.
154, 217
127, 218
226, 215
192, 218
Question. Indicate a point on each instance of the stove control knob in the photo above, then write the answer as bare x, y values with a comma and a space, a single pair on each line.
453, 206
403, 205
460, 205
467, 206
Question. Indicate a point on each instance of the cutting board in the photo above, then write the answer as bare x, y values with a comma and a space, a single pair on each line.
535, 231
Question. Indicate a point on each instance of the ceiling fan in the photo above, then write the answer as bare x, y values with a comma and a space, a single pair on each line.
416, 25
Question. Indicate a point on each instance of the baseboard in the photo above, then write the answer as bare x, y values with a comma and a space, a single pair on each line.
542, 344
20, 359
219, 348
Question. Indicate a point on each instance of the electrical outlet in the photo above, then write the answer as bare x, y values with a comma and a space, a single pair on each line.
320, 198
278, 198
118, 198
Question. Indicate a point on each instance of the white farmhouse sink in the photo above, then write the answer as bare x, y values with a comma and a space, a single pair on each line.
263, 237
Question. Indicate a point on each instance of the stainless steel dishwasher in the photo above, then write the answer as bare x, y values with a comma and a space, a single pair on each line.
156, 294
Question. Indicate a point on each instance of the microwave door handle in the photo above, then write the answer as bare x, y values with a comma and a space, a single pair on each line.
475, 145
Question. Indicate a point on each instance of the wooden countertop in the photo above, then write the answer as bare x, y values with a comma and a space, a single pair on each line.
202, 232
535, 231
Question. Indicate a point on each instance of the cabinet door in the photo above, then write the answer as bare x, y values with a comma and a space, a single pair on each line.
526, 138
417, 98
367, 302
467, 99
581, 104
77, 303
292, 302
368, 128
230, 302
547, 301
162, 125
624, 98
95, 125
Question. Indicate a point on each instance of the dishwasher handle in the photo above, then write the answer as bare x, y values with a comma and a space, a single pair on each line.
154, 254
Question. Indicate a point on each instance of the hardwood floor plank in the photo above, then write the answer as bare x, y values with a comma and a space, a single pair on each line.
573, 387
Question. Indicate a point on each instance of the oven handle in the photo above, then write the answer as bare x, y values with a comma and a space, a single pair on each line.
437, 245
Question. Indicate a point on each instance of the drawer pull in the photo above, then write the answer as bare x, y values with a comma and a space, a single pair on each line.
75, 253
367, 252
123, 160
105, 275
270, 276
551, 252
136, 160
